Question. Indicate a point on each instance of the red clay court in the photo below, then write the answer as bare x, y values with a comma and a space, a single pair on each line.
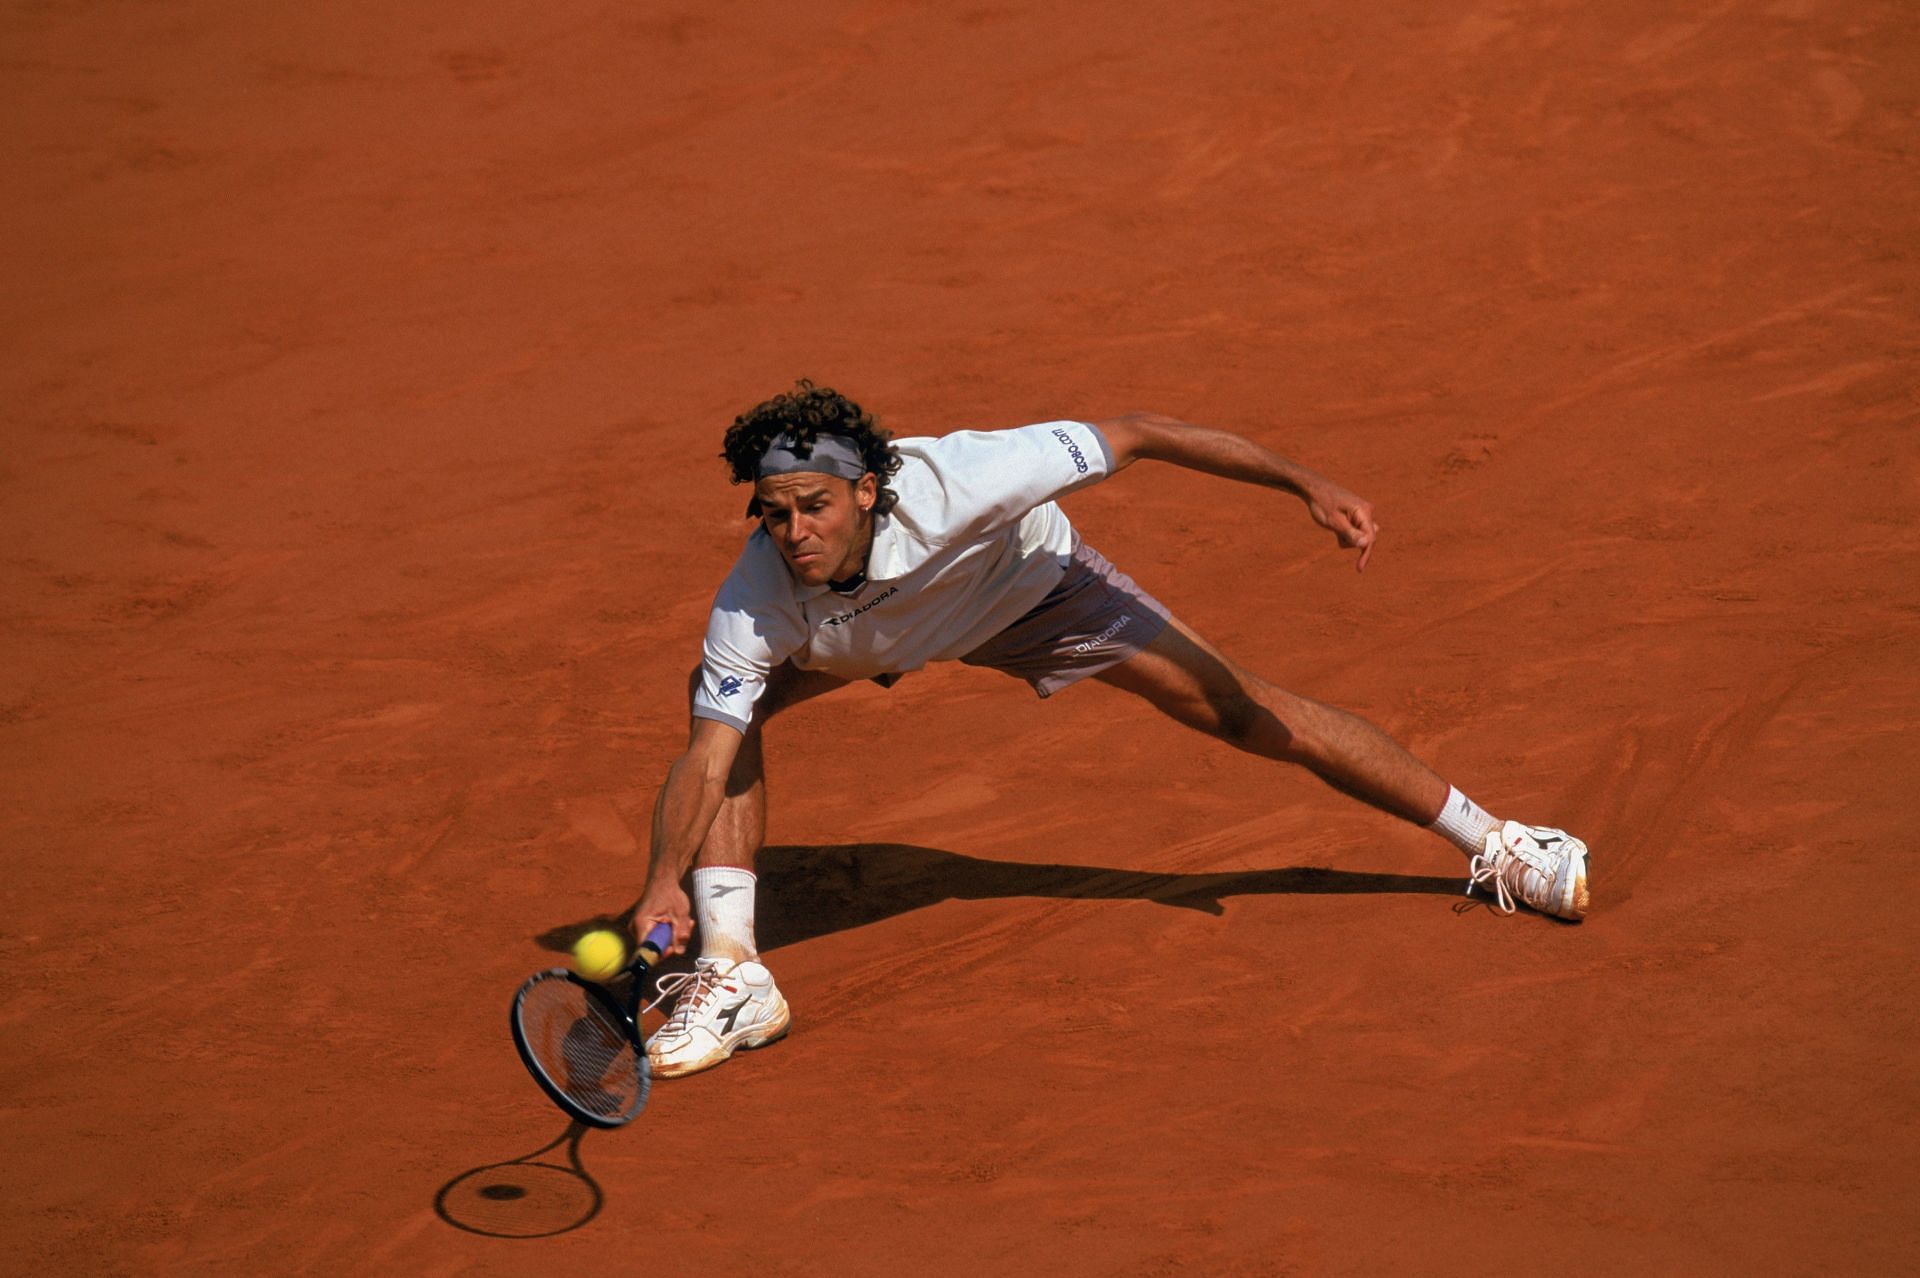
365, 367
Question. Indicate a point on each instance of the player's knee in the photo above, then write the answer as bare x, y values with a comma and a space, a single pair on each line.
1263, 725
1237, 718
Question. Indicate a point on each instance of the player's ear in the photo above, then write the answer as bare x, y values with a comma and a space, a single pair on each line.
866, 491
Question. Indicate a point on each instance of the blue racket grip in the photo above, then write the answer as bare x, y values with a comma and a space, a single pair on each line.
653, 946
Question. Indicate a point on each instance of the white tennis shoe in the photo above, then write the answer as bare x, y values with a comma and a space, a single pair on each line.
721, 1007
1540, 866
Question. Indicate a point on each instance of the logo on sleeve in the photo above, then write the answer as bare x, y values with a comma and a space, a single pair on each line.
1073, 449
729, 686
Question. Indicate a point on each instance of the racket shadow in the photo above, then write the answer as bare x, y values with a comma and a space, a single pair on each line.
531, 1196
807, 891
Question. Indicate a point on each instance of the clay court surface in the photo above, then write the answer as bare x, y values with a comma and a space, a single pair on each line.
364, 372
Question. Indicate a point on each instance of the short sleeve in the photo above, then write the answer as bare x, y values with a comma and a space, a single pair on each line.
754, 626
985, 480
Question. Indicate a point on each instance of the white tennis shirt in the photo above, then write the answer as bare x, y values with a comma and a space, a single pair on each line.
974, 542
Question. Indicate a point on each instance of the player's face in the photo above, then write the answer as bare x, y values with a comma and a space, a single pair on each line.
822, 524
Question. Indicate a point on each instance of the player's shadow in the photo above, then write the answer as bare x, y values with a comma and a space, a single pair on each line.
813, 891
807, 892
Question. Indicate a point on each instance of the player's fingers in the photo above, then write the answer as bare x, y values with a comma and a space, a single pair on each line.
643, 925
1369, 533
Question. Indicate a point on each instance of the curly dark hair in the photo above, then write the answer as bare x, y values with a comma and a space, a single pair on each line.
806, 412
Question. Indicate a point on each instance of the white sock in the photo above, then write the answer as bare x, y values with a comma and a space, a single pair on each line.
1463, 823
723, 903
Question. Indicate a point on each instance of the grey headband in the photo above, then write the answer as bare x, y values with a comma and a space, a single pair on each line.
830, 455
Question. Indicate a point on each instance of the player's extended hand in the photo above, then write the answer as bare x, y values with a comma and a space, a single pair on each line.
1347, 515
667, 904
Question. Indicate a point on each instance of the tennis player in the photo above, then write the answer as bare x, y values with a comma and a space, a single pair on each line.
874, 557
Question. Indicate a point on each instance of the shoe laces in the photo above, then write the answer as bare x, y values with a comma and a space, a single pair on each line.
1491, 867
691, 989
1485, 869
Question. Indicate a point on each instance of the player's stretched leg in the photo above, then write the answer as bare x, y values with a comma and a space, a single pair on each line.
1189, 679
730, 1001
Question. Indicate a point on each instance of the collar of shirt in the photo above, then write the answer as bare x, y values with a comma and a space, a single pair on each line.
888, 559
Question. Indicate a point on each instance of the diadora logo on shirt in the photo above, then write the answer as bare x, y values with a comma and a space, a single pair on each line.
843, 618
1073, 450
729, 685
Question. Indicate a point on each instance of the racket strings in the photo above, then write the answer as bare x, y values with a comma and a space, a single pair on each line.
583, 1048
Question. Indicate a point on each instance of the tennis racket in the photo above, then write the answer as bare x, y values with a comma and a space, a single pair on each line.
582, 1044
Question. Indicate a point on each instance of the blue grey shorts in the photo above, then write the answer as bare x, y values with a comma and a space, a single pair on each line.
1096, 617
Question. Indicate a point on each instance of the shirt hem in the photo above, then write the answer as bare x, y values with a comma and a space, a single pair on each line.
733, 721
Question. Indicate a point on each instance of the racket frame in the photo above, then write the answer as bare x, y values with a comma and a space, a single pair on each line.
628, 1017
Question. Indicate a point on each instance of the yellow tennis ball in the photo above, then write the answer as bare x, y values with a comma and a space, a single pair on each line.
599, 955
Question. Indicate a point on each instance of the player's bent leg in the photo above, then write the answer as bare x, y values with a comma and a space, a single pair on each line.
1189, 679
729, 1001
741, 824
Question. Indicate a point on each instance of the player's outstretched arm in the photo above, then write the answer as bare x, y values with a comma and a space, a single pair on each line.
1151, 436
689, 800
